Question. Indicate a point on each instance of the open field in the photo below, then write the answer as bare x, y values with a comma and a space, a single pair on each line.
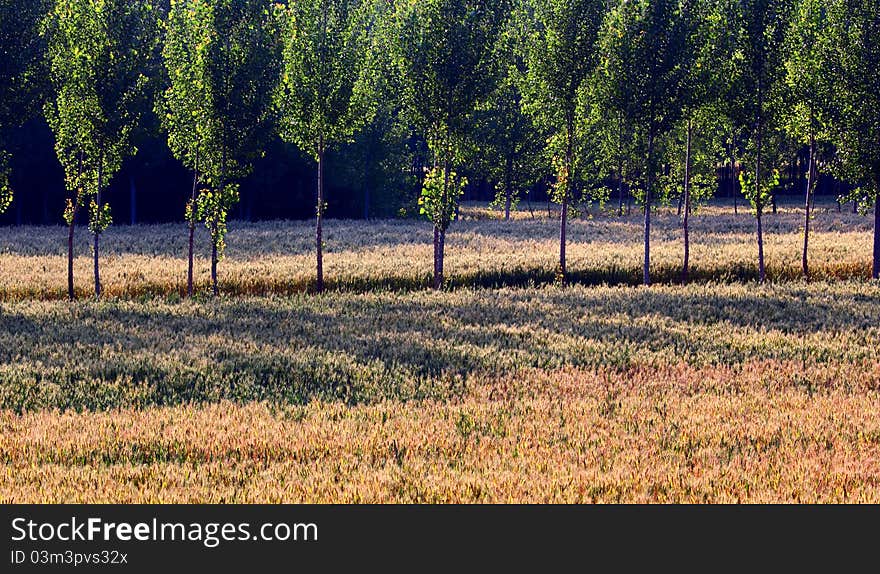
277, 257
717, 391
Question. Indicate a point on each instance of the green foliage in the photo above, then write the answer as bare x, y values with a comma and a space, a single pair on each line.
759, 197
223, 61
326, 87
506, 144
808, 48
561, 55
187, 107
98, 51
100, 217
855, 26
647, 61
440, 194
443, 51
212, 206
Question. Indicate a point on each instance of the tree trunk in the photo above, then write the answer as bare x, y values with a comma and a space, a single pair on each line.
759, 207
811, 181
646, 271
192, 230
440, 229
876, 272
214, 260
70, 292
619, 165
566, 192
441, 248
687, 203
319, 227
436, 283
97, 230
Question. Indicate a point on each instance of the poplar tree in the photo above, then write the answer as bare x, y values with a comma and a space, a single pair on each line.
98, 51
647, 56
223, 62
325, 96
855, 25
443, 51
755, 97
562, 57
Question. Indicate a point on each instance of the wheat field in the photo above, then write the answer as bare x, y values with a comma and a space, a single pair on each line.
501, 388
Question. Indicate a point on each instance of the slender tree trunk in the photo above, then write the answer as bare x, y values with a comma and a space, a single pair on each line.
566, 192
759, 207
508, 192
214, 261
687, 203
441, 253
811, 180
70, 292
646, 272
97, 233
876, 272
733, 177
192, 229
319, 227
436, 283
619, 165
440, 230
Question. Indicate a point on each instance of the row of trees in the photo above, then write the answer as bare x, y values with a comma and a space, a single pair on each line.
647, 96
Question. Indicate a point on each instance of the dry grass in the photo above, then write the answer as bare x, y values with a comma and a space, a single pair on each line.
713, 392
650, 435
277, 258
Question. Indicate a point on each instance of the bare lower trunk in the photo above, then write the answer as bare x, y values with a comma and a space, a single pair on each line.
192, 231
440, 231
646, 271
876, 272
98, 231
441, 253
566, 193
686, 197
439, 247
70, 292
319, 227
759, 204
619, 166
762, 276
811, 179
189, 273
97, 269
563, 230
214, 260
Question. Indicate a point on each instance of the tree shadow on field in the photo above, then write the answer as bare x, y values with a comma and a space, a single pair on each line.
397, 346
